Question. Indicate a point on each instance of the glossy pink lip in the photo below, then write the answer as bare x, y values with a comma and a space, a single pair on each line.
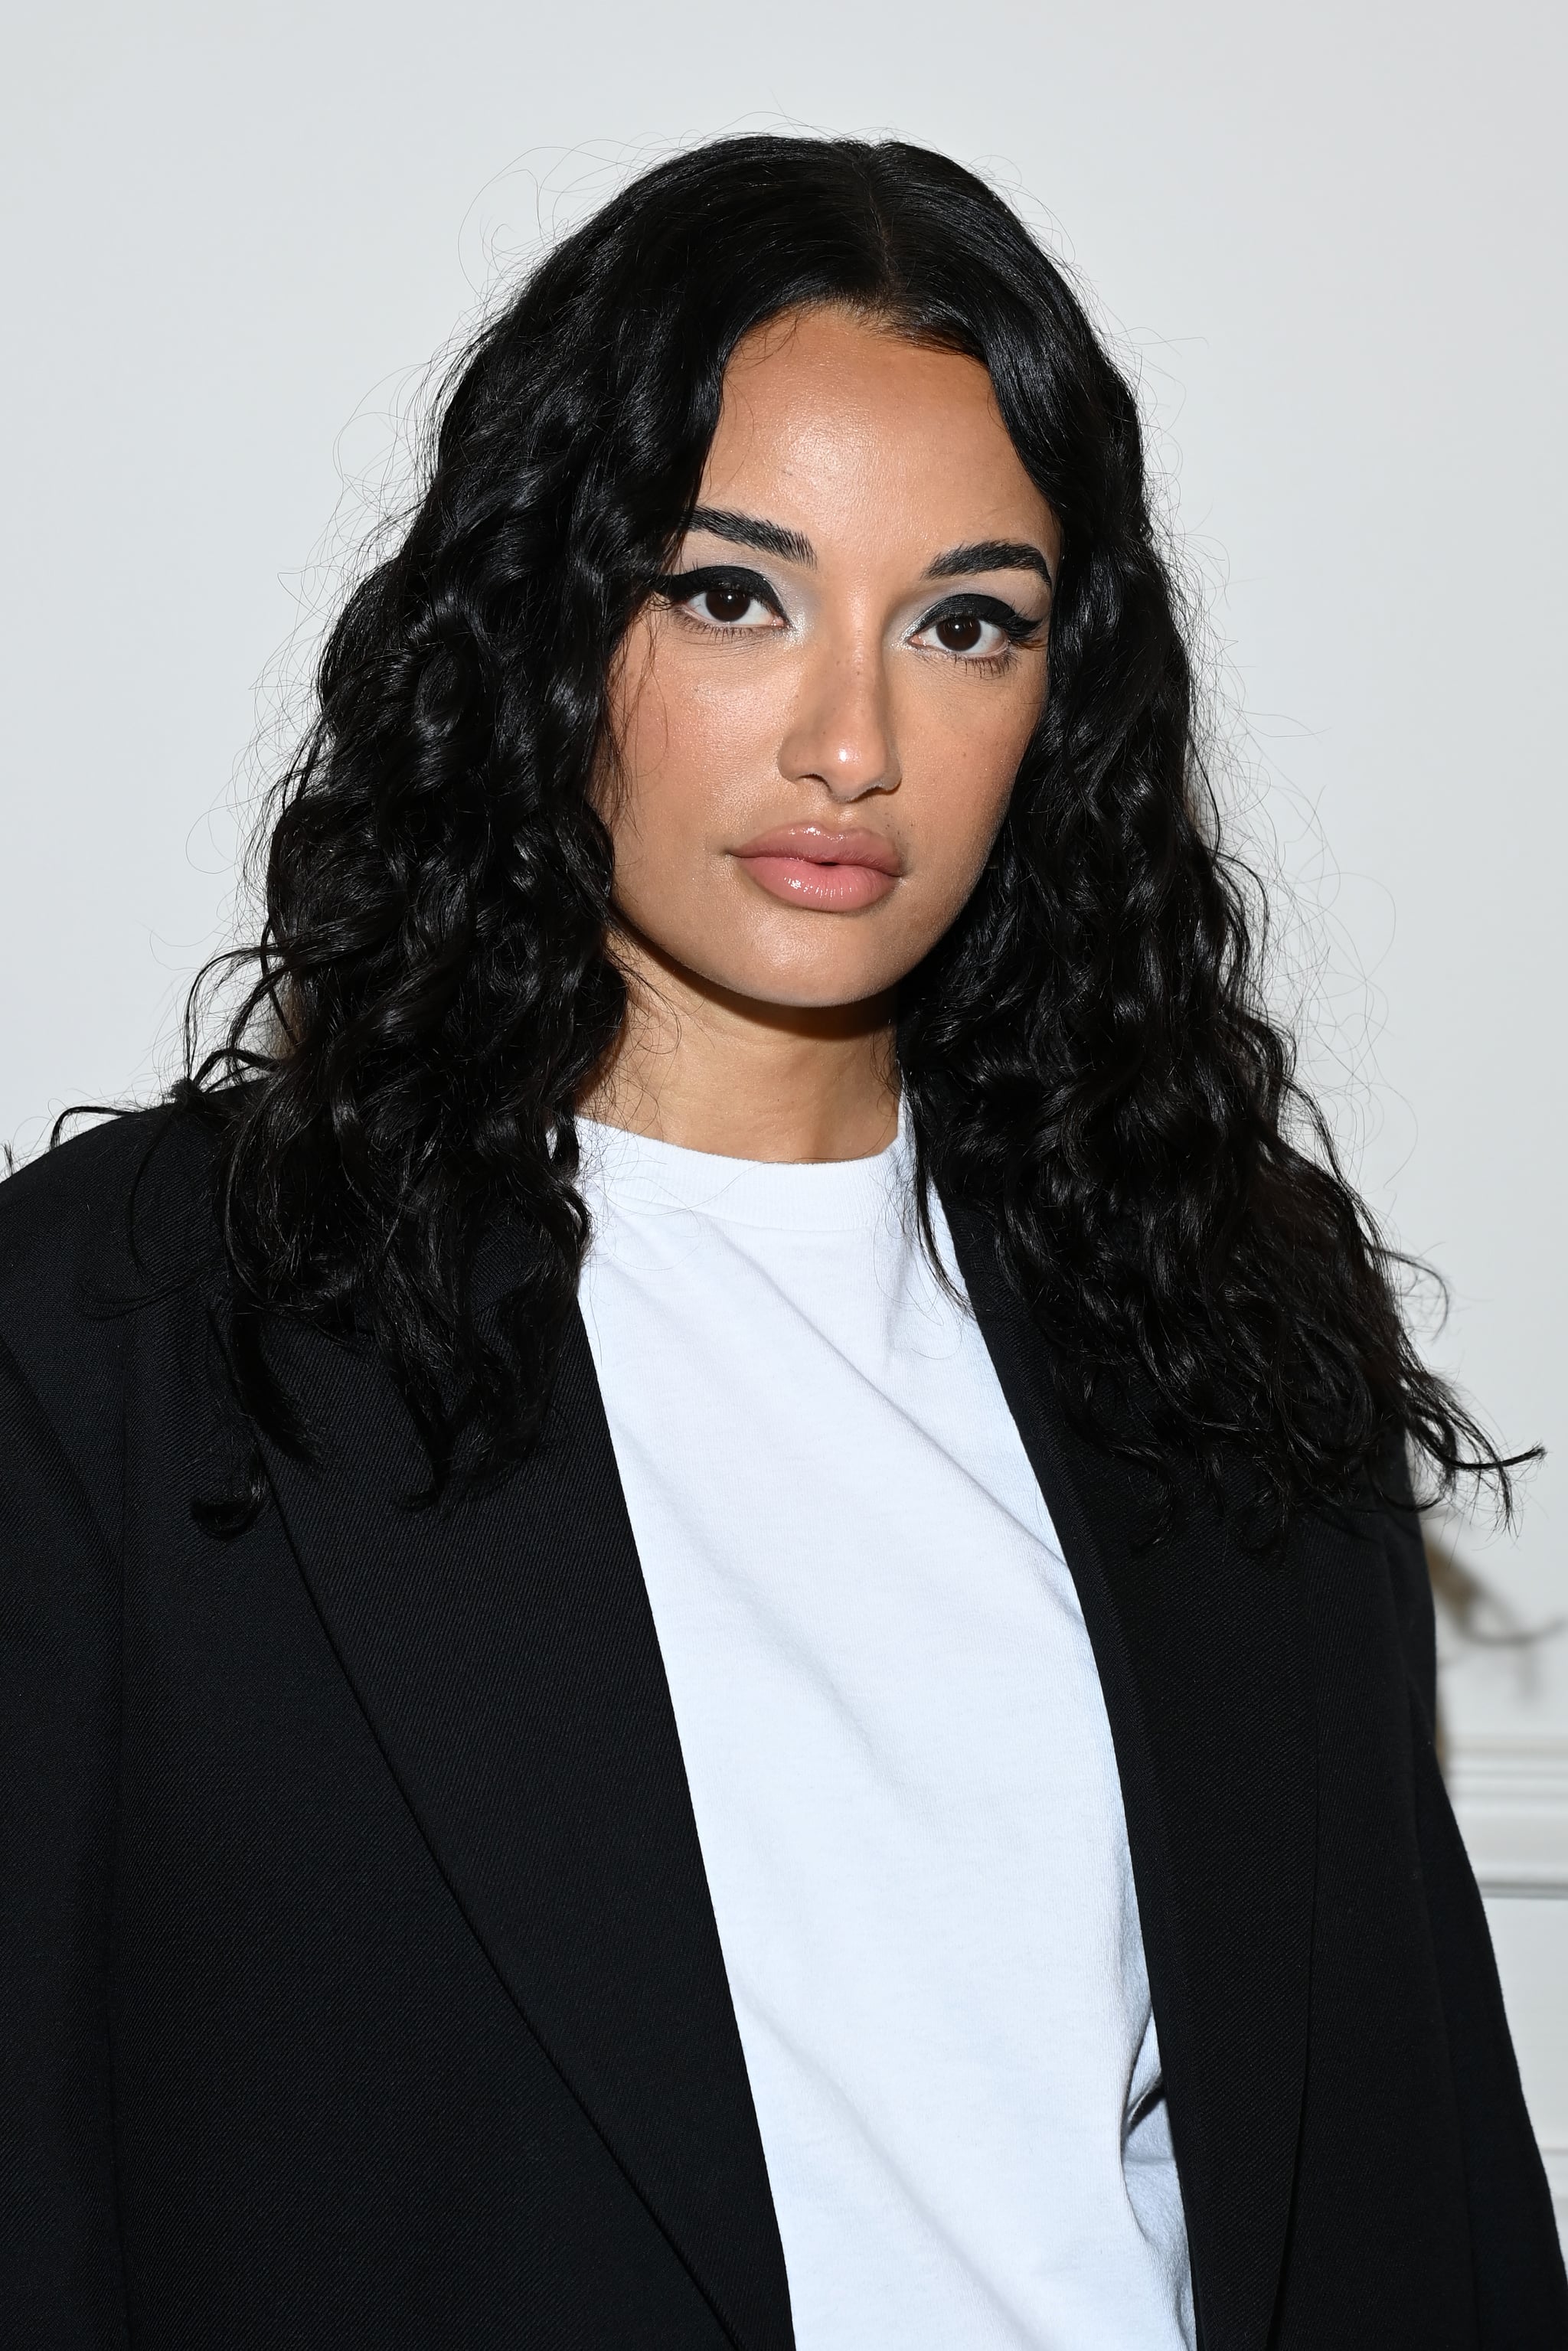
810, 865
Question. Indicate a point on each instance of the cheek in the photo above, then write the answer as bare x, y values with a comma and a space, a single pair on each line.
691, 742
969, 756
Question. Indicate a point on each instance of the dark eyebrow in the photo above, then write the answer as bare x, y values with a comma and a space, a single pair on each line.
747, 530
989, 554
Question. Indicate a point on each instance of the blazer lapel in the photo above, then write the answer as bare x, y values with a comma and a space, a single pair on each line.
1200, 1662
504, 1652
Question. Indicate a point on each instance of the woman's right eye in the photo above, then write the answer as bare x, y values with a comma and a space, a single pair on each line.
728, 604
731, 602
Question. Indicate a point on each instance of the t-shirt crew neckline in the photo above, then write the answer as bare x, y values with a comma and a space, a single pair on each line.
644, 1176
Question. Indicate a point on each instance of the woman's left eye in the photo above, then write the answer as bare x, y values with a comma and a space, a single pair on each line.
976, 629
965, 632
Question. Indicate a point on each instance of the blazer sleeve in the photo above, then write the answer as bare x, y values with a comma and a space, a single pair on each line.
1522, 2292
61, 2286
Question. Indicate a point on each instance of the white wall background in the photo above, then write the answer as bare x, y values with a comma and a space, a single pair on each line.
1331, 239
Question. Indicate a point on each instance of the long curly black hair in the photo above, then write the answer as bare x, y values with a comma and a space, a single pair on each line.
1085, 1056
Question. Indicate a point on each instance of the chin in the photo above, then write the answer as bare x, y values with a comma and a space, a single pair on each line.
801, 987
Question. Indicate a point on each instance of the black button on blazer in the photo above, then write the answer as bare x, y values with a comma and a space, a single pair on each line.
360, 1989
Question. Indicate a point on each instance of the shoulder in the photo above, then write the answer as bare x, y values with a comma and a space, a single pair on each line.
95, 1234
104, 1222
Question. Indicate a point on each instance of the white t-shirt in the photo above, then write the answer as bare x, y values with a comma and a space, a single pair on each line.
899, 1761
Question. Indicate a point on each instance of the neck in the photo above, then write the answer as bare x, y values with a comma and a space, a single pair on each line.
699, 1066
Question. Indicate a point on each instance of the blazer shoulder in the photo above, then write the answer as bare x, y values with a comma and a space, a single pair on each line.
93, 1232
105, 1222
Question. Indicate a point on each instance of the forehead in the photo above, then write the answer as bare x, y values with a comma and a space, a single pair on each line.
828, 421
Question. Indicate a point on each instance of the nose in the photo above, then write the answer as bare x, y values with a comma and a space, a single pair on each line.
841, 729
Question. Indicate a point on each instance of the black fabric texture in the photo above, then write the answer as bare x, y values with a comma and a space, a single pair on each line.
359, 1981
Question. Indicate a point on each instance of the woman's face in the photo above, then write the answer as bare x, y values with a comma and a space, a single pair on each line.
819, 720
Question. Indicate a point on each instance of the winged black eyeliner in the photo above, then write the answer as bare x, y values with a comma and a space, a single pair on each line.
680, 587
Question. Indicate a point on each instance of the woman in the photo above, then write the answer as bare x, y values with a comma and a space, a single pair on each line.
718, 1629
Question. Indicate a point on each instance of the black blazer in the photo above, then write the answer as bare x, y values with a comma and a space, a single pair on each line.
360, 1986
